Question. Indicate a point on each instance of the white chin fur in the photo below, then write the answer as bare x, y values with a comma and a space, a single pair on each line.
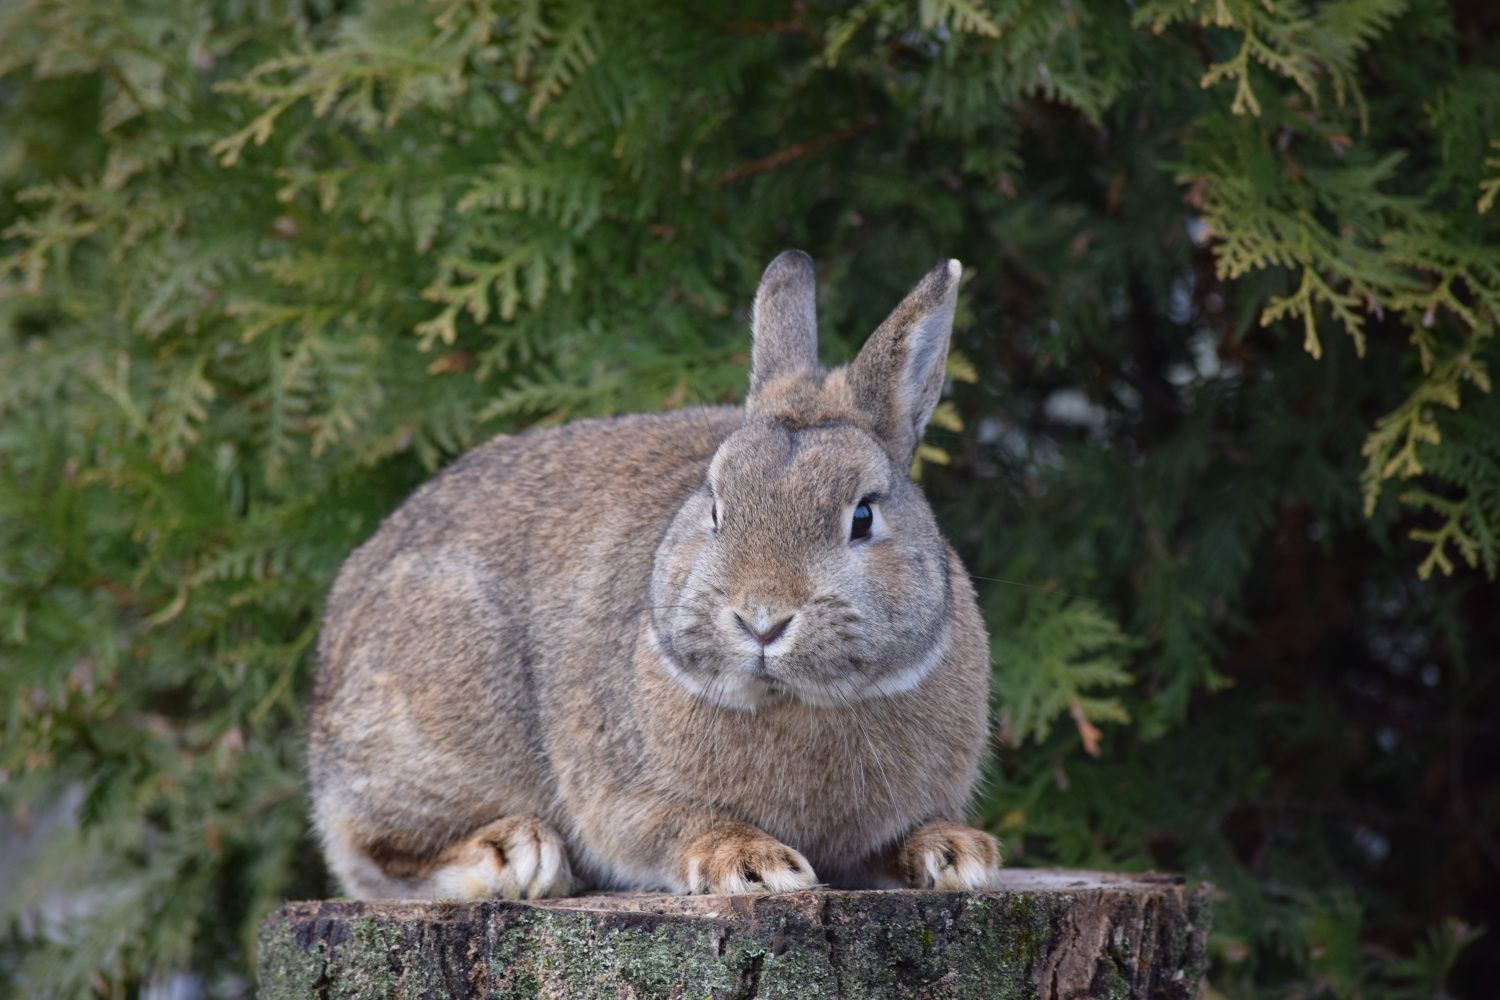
747, 692
843, 692
742, 692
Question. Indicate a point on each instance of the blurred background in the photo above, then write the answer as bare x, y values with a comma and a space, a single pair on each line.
1220, 446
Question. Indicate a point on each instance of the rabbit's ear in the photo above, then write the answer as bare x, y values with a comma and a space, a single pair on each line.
784, 320
898, 375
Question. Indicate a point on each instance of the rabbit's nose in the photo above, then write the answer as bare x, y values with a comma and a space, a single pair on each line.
768, 632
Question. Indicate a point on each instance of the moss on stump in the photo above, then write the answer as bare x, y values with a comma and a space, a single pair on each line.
1058, 935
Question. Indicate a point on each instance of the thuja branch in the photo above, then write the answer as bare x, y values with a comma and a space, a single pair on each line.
798, 150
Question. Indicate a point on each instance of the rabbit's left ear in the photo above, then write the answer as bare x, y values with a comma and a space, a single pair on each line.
898, 376
784, 320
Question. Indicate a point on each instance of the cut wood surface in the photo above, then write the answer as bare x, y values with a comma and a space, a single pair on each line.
1047, 933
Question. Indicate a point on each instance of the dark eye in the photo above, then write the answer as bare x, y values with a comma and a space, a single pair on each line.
713, 513
864, 517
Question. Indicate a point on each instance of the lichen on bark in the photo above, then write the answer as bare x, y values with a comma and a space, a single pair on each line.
1048, 934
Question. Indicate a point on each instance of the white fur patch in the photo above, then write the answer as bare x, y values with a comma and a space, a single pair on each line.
845, 691
743, 692
463, 883
522, 859
779, 879
748, 692
789, 879
932, 866
534, 868
548, 870
967, 875
910, 677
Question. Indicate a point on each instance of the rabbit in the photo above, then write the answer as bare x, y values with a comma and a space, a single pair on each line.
714, 650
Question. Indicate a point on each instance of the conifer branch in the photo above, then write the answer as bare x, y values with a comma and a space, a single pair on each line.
797, 151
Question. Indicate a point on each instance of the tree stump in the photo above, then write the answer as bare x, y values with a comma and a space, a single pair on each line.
1058, 935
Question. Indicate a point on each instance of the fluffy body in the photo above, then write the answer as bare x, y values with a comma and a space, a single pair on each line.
542, 672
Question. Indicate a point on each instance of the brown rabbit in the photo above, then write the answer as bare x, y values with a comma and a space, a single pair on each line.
712, 650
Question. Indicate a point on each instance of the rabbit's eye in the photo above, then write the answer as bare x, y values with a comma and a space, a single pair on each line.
864, 517
713, 514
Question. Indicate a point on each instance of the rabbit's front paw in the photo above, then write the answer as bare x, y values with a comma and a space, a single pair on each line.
736, 857
518, 857
949, 856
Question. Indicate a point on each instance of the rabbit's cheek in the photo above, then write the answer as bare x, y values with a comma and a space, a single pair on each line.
894, 682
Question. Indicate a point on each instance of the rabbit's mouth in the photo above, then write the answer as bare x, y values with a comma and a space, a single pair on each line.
746, 682
751, 681
746, 687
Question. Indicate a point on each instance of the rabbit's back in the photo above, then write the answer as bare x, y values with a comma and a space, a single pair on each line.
435, 693
528, 506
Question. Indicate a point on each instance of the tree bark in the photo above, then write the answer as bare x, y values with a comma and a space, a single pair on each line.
1049, 934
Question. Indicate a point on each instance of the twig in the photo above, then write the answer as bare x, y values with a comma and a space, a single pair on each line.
792, 27
798, 150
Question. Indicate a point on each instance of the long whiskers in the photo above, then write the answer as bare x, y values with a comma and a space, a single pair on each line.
708, 731
1044, 588
857, 714
637, 608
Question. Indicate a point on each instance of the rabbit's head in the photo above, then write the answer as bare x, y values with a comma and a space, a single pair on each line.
809, 565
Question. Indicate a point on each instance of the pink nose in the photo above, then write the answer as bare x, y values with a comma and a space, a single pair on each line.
770, 635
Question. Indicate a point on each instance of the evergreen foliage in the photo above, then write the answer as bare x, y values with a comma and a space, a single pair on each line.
1222, 448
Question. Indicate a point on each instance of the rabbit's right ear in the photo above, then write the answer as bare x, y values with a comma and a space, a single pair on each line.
784, 320
898, 377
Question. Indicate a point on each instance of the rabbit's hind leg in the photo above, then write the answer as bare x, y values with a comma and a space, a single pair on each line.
518, 857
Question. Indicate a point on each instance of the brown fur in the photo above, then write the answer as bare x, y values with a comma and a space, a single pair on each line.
537, 651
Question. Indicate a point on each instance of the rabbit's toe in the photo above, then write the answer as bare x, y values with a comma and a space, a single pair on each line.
950, 857
737, 858
532, 861
518, 857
